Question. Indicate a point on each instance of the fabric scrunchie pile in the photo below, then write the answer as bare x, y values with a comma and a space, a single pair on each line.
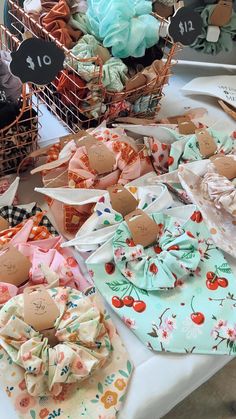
82, 348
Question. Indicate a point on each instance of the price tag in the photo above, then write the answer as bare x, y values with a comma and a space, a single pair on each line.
40, 310
143, 229
185, 26
101, 158
222, 13
226, 166
4, 224
14, 266
186, 126
207, 145
37, 61
122, 200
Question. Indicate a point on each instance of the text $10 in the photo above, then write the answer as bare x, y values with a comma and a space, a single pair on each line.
45, 60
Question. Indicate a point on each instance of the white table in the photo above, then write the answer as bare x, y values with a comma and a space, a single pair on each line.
159, 381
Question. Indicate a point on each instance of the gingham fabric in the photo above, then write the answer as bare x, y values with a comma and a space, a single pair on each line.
15, 215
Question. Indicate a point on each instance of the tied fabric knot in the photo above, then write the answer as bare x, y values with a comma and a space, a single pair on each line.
159, 266
82, 347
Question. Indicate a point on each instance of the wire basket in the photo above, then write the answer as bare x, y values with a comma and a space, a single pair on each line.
20, 137
79, 107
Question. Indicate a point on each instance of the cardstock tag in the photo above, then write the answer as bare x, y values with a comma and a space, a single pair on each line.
226, 166
143, 229
122, 200
103, 53
14, 266
163, 10
206, 142
186, 126
40, 310
135, 82
87, 141
4, 224
222, 13
101, 158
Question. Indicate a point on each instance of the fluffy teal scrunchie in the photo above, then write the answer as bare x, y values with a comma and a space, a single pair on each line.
227, 32
128, 29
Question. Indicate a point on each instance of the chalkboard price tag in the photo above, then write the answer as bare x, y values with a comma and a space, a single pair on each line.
37, 61
185, 26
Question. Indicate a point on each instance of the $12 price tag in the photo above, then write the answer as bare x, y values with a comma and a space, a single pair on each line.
37, 61
185, 26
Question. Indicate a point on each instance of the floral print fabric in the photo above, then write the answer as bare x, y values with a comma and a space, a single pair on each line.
220, 221
181, 148
197, 315
84, 329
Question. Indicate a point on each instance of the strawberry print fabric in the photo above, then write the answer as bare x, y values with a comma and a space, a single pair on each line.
193, 312
85, 374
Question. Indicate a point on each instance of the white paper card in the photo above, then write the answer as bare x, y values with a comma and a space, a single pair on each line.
223, 87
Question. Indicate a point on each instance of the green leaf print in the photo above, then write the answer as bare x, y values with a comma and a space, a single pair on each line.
123, 373
129, 367
94, 401
224, 268
122, 398
100, 388
144, 292
33, 414
118, 285
234, 348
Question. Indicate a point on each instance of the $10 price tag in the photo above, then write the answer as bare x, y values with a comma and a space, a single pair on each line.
185, 26
37, 61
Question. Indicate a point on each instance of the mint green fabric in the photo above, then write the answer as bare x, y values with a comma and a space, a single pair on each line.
113, 72
198, 314
185, 148
227, 32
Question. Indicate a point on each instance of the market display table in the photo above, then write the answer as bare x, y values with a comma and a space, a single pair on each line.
159, 380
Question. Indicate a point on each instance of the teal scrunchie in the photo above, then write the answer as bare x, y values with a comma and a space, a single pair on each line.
128, 28
113, 72
174, 255
227, 32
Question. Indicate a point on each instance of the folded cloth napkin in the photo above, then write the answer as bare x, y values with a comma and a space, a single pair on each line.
56, 23
32, 6
11, 85
85, 374
227, 33
114, 71
176, 295
104, 221
128, 30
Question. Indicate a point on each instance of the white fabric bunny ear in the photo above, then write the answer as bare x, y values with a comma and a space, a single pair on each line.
8, 196
77, 196
102, 225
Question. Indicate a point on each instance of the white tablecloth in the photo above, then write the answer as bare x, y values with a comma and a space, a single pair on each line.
159, 381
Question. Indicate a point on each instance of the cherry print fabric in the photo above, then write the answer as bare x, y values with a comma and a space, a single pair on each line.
197, 315
89, 367
174, 254
102, 225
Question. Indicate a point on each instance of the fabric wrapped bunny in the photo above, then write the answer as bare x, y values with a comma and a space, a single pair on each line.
87, 363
